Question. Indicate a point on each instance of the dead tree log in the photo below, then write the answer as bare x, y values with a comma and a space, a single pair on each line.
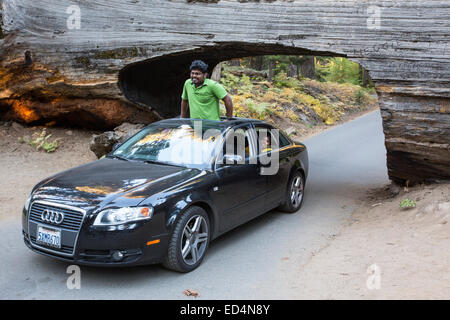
107, 61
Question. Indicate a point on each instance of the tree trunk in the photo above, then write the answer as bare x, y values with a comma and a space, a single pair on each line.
365, 78
216, 73
292, 71
271, 67
95, 68
308, 69
235, 63
257, 63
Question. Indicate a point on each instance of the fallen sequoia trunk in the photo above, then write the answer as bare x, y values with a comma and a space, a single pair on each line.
105, 62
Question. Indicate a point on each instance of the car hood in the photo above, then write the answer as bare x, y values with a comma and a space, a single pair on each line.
110, 182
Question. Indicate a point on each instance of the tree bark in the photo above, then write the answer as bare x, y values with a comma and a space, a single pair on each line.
216, 73
308, 68
235, 63
257, 63
365, 77
134, 57
271, 70
292, 71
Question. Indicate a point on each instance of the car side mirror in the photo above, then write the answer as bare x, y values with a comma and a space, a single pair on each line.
232, 159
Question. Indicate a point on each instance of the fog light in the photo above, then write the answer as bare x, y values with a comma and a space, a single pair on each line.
117, 256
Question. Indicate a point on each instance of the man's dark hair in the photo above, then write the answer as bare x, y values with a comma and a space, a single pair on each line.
199, 65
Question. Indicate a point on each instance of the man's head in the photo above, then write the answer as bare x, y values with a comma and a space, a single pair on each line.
264, 141
198, 71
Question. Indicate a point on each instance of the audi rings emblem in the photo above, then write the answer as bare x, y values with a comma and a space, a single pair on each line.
52, 216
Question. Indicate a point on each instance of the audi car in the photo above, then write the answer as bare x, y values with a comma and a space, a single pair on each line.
165, 193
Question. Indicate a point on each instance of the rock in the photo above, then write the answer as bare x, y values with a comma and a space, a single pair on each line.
69, 132
103, 143
126, 130
291, 130
393, 190
303, 117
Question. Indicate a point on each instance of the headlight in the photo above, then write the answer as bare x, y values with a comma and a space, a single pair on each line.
110, 217
27, 202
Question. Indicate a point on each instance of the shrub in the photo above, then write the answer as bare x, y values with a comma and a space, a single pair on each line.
407, 204
41, 141
292, 115
269, 96
281, 80
360, 97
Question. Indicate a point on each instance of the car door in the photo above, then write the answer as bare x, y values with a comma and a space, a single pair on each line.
240, 189
277, 173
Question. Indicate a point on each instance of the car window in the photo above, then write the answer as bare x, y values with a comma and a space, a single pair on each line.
267, 139
237, 142
284, 141
178, 144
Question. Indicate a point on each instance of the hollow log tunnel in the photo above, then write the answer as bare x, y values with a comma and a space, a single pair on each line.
136, 53
158, 82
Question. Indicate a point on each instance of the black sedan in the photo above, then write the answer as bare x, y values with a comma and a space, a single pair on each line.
165, 193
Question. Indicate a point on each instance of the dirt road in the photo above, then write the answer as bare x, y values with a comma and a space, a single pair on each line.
344, 243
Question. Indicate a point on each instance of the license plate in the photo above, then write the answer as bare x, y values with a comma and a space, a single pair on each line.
49, 237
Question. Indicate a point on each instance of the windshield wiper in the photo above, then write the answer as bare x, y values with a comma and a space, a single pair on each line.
118, 157
163, 163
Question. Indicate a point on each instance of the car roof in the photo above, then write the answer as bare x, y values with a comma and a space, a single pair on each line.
214, 123
221, 125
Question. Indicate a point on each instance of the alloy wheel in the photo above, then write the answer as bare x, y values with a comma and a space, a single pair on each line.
194, 239
297, 191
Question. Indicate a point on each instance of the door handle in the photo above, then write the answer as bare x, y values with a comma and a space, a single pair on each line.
286, 159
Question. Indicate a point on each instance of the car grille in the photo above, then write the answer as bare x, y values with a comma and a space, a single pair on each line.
72, 219
69, 227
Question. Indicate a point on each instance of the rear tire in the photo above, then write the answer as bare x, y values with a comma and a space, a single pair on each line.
294, 193
189, 241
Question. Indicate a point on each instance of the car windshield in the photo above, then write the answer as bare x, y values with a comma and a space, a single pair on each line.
188, 144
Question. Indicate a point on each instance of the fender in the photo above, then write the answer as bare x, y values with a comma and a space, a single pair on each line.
196, 198
173, 201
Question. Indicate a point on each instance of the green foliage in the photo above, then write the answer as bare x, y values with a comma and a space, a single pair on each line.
338, 70
407, 204
281, 80
360, 97
41, 141
245, 85
334, 69
235, 84
229, 81
245, 80
293, 98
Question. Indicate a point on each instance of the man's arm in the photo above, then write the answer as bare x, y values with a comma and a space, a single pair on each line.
228, 105
184, 108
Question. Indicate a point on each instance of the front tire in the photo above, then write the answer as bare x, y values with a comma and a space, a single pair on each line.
189, 241
294, 193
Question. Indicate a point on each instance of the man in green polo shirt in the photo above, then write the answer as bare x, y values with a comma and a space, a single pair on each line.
201, 95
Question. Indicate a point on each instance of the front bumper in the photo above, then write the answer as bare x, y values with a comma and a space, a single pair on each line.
138, 244
105, 258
